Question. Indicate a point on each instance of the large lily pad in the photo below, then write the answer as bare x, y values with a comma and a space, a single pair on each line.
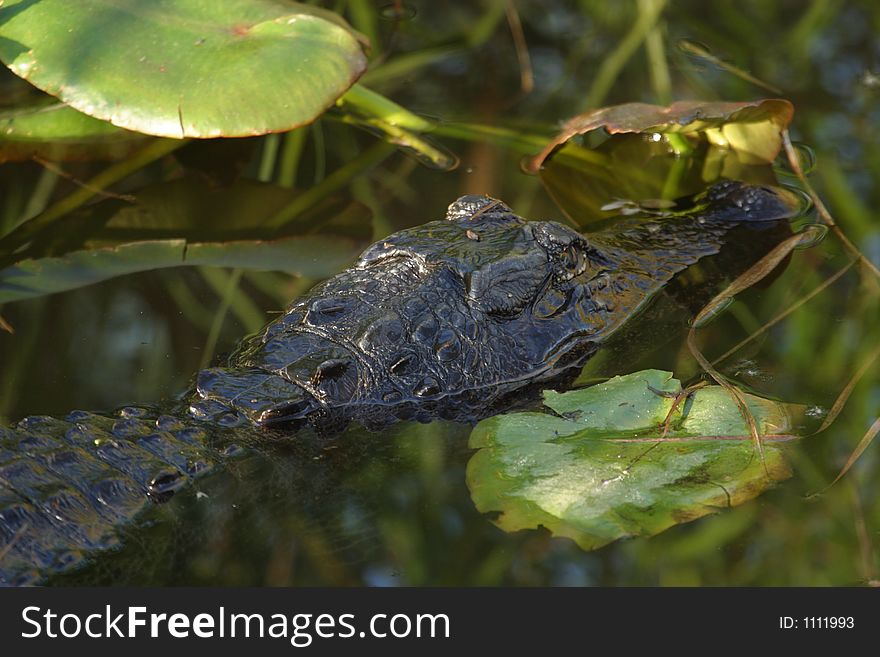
187, 222
598, 469
184, 68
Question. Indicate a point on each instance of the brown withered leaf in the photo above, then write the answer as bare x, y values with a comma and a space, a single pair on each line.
751, 128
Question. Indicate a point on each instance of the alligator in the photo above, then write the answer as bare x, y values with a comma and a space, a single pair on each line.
460, 319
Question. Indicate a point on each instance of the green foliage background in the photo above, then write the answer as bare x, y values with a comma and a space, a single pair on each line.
393, 508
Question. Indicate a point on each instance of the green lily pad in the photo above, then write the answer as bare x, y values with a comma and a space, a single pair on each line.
599, 469
184, 68
187, 222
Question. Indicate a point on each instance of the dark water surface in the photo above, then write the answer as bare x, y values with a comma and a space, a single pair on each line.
393, 508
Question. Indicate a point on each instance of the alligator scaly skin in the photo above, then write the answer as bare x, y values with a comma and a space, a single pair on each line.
460, 318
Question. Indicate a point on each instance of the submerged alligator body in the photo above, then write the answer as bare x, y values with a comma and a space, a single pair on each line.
460, 318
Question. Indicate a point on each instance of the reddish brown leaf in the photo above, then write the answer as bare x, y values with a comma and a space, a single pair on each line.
752, 127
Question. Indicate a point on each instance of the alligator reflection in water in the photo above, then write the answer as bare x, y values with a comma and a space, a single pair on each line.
457, 319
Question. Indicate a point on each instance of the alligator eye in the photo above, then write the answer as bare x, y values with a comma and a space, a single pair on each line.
573, 259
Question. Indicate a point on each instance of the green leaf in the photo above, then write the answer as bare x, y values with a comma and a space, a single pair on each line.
315, 256
184, 68
599, 469
56, 132
396, 125
187, 222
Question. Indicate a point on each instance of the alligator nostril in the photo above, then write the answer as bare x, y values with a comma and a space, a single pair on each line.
471, 207
332, 368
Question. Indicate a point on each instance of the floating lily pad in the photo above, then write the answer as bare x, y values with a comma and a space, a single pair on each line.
187, 222
599, 469
184, 68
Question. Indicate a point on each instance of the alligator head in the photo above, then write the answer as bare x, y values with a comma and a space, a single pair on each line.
452, 317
